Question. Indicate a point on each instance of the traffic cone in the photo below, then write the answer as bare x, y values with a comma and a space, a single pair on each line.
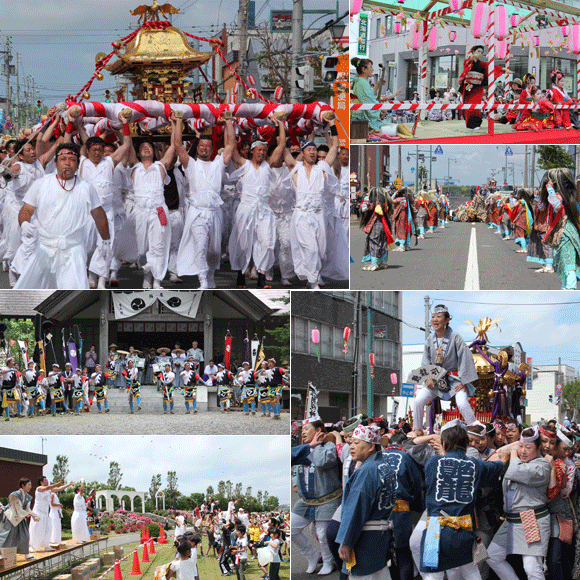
151, 546
118, 573
142, 540
136, 569
145, 557
161, 539
146, 536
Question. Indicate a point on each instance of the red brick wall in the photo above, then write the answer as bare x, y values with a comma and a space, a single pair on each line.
12, 472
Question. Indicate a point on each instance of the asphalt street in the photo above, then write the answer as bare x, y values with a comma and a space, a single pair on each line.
443, 261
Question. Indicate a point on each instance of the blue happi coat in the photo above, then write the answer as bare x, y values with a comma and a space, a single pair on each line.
369, 494
453, 482
408, 489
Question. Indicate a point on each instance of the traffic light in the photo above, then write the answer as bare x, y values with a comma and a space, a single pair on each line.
551, 398
305, 80
107, 96
38, 106
329, 72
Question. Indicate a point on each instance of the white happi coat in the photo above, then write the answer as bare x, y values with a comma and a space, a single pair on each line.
177, 218
60, 257
336, 263
101, 176
282, 203
254, 231
308, 231
153, 239
200, 247
15, 192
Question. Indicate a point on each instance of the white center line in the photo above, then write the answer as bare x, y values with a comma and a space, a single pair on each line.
472, 271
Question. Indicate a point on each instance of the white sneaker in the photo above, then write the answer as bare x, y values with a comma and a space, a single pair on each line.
203, 281
93, 280
312, 565
147, 280
101, 283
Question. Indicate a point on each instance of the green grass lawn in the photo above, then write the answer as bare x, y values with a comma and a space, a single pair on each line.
208, 567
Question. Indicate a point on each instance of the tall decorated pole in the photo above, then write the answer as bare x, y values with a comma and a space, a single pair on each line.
490, 67
423, 84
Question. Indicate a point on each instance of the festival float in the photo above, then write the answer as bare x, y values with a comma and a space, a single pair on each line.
500, 388
157, 58
499, 27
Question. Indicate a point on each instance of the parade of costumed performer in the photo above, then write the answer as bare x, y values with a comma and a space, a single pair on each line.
472, 83
559, 190
374, 221
562, 117
445, 348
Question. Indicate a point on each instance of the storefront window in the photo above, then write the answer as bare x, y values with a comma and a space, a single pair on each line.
518, 64
445, 72
567, 66
412, 78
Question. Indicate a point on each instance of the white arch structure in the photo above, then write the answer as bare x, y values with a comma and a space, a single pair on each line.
109, 494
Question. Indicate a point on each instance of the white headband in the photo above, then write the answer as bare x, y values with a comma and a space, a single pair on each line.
533, 437
562, 437
257, 143
440, 309
311, 420
454, 423
370, 434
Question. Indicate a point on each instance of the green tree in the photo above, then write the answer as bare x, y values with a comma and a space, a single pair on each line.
229, 489
281, 334
171, 492
259, 496
422, 173
60, 469
270, 504
248, 492
571, 398
221, 488
155, 486
20, 329
238, 490
115, 475
209, 493
552, 156
196, 499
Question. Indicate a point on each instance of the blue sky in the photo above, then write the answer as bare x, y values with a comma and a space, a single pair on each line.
547, 324
262, 462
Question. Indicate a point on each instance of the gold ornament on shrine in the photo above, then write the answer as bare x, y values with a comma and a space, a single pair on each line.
158, 59
485, 325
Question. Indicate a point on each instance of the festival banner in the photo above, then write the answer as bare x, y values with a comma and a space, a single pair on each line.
311, 409
72, 355
261, 357
228, 350
254, 350
23, 350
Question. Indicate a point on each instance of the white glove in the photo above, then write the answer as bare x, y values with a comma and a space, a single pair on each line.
107, 250
27, 230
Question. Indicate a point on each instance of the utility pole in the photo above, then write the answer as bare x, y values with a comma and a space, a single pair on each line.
427, 318
526, 167
7, 59
243, 46
400, 165
297, 25
370, 396
17, 104
533, 175
359, 390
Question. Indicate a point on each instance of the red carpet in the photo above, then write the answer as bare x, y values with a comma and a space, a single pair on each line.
549, 137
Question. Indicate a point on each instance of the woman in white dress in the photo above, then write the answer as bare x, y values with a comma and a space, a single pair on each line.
55, 517
78, 524
40, 530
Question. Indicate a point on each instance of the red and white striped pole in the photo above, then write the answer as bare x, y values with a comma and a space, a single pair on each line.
491, 67
423, 86
578, 76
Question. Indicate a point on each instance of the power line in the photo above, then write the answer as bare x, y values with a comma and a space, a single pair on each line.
511, 305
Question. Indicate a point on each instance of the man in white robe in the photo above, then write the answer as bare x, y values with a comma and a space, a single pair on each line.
254, 232
308, 231
62, 205
200, 247
98, 169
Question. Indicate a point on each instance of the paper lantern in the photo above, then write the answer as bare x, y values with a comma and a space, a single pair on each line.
356, 6
500, 26
565, 31
394, 378
455, 5
515, 20
416, 36
432, 40
479, 18
398, 27
372, 359
536, 40
279, 93
251, 80
346, 333
574, 39
235, 89
315, 334
501, 48
452, 35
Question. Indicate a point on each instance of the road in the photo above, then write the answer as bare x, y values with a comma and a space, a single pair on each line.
463, 256
130, 278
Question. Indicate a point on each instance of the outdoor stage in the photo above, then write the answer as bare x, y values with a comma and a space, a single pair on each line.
46, 562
